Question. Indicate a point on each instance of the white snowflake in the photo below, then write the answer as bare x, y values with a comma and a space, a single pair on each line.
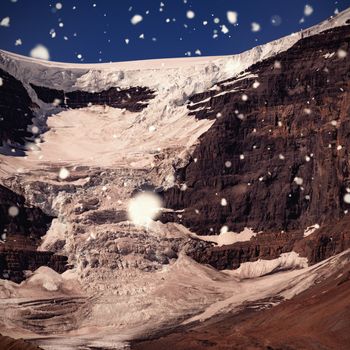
63, 173
13, 211
5, 22
255, 27
224, 29
341, 53
232, 16
298, 180
190, 14
40, 51
308, 10
136, 19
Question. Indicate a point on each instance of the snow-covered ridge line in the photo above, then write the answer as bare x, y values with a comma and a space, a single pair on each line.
69, 76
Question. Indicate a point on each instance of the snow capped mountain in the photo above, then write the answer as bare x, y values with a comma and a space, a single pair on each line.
243, 153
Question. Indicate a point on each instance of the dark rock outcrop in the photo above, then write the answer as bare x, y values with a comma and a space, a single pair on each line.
14, 263
7, 343
278, 151
15, 112
133, 99
20, 231
28, 221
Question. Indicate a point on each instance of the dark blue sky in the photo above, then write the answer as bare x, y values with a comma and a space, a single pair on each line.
97, 29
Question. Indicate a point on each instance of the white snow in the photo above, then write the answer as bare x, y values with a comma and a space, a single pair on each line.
227, 237
311, 229
286, 261
284, 284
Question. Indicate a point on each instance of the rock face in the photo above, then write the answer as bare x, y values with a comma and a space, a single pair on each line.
278, 151
14, 263
133, 99
20, 235
15, 112
29, 222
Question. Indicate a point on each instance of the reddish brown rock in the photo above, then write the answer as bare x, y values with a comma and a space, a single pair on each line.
19, 237
295, 124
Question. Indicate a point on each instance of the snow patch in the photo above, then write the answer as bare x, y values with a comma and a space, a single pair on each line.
228, 237
287, 261
311, 229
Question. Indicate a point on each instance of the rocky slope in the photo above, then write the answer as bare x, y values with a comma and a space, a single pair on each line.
316, 319
277, 153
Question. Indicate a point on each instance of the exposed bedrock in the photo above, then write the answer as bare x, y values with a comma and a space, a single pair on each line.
15, 112
21, 228
278, 151
134, 99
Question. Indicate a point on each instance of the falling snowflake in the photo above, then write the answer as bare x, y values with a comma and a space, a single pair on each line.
223, 202
256, 84
52, 33
347, 198
40, 51
281, 156
341, 53
79, 56
277, 65
244, 97
13, 211
224, 229
5, 22
190, 14
232, 16
241, 157
308, 10
298, 180
1, 82
198, 52
183, 187
127, 41
63, 173
228, 164
276, 20
136, 19
224, 29
35, 129
18, 42
255, 27
58, 6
